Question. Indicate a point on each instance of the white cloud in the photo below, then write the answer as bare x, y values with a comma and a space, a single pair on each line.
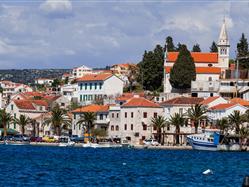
57, 8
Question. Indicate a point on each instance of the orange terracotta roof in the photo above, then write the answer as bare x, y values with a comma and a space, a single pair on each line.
240, 101
24, 104
222, 106
92, 108
140, 102
95, 77
209, 100
197, 56
127, 96
33, 94
183, 101
40, 102
201, 70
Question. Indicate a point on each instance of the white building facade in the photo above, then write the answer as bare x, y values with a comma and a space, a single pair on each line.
92, 88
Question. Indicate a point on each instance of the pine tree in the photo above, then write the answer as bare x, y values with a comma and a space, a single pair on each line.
242, 49
179, 45
151, 69
196, 48
170, 44
183, 71
214, 48
242, 46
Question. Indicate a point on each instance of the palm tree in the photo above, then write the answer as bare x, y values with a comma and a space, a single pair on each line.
159, 122
236, 119
59, 120
5, 118
22, 122
88, 120
243, 134
222, 124
197, 113
177, 120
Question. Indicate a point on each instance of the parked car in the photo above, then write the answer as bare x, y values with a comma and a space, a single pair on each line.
20, 137
77, 139
49, 139
36, 139
152, 142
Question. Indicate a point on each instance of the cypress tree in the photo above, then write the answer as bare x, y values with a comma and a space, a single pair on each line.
214, 48
242, 46
183, 71
242, 49
170, 44
196, 48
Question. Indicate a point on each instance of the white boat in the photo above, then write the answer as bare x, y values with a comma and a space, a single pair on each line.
212, 140
89, 144
208, 140
65, 142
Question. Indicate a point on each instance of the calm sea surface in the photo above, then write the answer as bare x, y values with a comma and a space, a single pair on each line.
61, 166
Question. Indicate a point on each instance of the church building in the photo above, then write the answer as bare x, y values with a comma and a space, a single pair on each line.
210, 67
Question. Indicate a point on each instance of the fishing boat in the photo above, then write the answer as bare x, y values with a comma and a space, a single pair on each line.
208, 140
212, 140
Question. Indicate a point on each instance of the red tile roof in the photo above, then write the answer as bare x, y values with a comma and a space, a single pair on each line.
40, 102
92, 108
24, 104
222, 106
95, 77
140, 102
127, 96
209, 100
240, 101
201, 70
197, 56
183, 101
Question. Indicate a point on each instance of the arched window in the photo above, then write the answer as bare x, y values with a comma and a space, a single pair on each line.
112, 128
209, 78
132, 127
117, 128
125, 127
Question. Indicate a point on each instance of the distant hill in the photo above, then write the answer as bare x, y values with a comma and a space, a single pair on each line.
29, 75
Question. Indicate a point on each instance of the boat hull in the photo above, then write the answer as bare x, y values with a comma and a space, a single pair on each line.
203, 146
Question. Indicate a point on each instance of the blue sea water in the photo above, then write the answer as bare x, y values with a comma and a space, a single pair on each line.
62, 166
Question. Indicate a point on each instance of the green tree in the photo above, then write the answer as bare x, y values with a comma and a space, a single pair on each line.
56, 83
196, 114
183, 71
223, 125
170, 44
177, 120
22, 121
243, 134
151, 69
59, 120
159, 123
5, 119
242, 46
88, 120
179, 46
214, 48
236, 119
196, 48
242, 50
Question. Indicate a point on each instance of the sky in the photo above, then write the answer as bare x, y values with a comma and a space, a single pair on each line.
69, 33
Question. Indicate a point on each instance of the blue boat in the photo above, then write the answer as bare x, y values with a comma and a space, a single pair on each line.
207, 141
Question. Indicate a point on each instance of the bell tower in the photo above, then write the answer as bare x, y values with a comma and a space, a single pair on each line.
223, 48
